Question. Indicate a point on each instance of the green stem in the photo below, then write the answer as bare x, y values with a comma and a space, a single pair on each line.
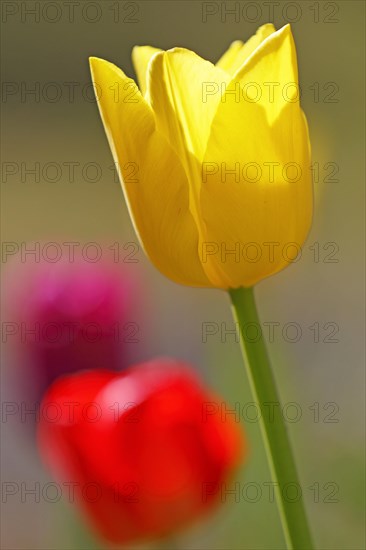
274, 432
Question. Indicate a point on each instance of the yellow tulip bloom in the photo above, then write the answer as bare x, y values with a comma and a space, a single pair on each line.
222, 193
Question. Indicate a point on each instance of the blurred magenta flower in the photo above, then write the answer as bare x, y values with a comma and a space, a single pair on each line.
71, 316
145, 450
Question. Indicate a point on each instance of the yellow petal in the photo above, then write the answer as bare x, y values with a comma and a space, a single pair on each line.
253, 213
185, 90
141, 56
227, 60
153, 179
269, 77
238, 52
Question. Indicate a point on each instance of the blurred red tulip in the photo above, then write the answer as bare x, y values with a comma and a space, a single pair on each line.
141, 448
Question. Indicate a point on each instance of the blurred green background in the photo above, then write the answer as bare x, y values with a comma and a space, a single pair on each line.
330, 43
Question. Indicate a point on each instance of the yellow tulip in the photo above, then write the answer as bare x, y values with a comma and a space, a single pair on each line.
221, 193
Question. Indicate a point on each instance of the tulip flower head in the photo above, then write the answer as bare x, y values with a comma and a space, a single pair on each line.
146, 450
69, 317
214, 159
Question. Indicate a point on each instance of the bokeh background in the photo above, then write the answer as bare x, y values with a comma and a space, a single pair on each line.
54, 126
